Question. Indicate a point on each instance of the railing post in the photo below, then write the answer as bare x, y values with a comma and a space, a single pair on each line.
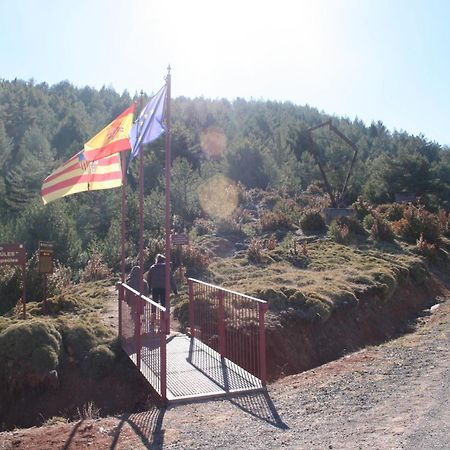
137, 329
163, 354
191, 307
262, 343
121, 290
220, 295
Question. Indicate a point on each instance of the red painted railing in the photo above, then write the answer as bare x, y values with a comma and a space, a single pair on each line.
142, 330
230, 323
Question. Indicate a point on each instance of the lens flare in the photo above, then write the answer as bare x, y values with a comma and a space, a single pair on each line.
218, 196
213, 142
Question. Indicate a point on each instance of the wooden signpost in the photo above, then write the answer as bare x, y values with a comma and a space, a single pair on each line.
14, 255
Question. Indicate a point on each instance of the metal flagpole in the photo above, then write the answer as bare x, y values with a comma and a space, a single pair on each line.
122, 240
122, 220
168, 164
138, 304
141, 215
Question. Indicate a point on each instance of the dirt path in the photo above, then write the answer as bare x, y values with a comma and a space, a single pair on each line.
393, 396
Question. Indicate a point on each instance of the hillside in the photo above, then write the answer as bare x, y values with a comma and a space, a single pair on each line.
247, 190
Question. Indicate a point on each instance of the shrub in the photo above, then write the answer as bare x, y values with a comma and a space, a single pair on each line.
312, 221
98, 362
275, 298
273, 221
204, 226
444, 222
391, 211
417, 222
28, 351
195, 260
62, 303
10, 287
361, 208
153, 248
78, 341
368, 221
289, 208
429, 251
95, 269
60, 279
226, 226
381, 230
255, 251
346, 230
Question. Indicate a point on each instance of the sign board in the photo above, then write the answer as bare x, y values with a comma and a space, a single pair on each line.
12, 255
179, 239
45, 257
405, 197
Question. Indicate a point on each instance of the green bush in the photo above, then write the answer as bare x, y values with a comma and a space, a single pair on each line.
312, 221
391, 211
361, 208
28, 351
204, 226
10, 287
98, 362
273, 221
63, 303
368, 222
381, 230
275, 298
78, 341
289, 208
226, 226
346, 230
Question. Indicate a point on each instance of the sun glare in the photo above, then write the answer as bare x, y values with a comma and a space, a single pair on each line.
218, 196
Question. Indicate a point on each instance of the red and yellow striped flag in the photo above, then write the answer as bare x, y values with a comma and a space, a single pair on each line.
73, 177
112, 139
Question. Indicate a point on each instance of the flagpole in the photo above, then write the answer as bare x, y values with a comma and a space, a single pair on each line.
122, 219
141, 214
168, 166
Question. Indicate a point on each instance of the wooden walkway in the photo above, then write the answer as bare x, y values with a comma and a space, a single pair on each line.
194, 370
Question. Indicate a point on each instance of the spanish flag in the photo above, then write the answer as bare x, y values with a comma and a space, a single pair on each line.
112, 139
73, 177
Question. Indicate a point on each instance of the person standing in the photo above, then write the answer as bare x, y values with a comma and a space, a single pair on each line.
133, 280
156, 279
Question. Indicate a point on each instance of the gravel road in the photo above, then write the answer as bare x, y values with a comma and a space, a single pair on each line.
392, 396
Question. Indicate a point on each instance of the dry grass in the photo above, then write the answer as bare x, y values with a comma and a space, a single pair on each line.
334, 276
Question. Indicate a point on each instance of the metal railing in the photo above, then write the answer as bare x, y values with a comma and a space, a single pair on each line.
142, 331
231, 324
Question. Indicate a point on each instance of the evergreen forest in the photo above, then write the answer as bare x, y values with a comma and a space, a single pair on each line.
257, 144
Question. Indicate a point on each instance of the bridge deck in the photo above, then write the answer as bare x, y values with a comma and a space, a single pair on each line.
194, 370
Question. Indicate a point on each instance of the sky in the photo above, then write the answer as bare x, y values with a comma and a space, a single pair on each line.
385, 60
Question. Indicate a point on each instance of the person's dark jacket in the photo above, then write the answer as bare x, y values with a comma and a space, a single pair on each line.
156, 278
133, 281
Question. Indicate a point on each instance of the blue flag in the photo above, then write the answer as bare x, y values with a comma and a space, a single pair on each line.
149, 124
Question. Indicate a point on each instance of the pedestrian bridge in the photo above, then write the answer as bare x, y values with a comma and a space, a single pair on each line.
223, 354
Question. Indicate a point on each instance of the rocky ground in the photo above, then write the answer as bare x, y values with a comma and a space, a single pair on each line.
392, 396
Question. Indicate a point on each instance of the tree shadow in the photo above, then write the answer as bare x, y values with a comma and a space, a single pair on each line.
147, 425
